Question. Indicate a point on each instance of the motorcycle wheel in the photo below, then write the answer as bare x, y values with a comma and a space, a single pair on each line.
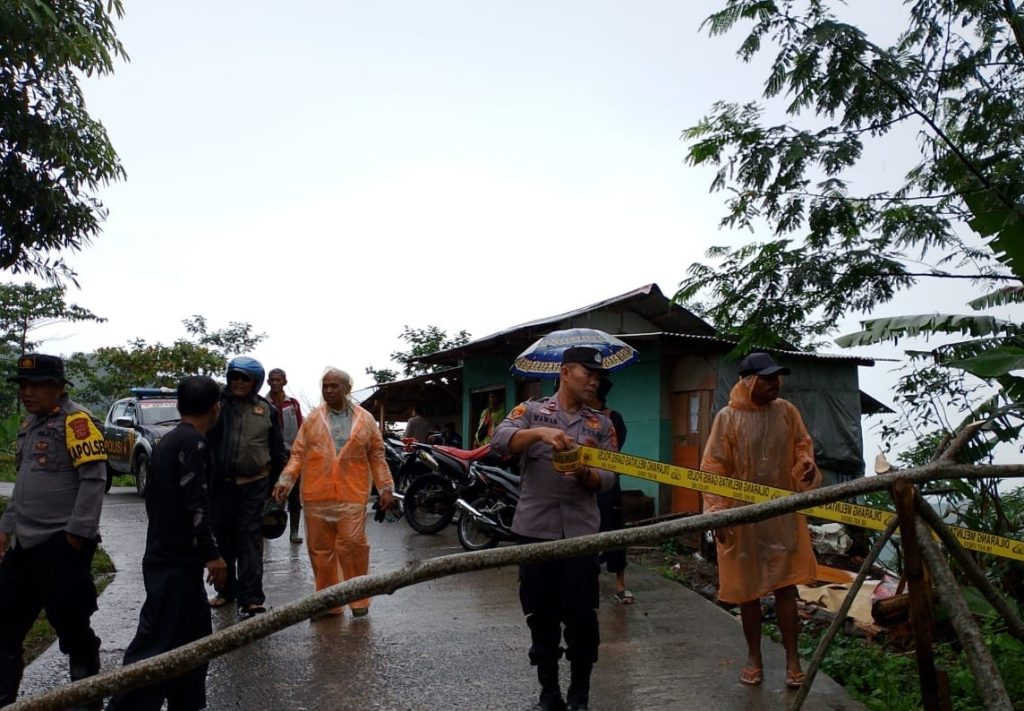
429, 504
472, 536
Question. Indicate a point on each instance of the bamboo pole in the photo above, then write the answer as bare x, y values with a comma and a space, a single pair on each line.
971, 568
986, 676
178, 661
903, 494
844, 609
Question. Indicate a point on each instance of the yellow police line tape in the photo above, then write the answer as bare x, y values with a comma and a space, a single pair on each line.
853, 514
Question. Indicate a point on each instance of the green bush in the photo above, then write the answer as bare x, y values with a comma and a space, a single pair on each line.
884, 679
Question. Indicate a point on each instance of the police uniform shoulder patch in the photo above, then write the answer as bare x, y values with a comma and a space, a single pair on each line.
592, 423
517, 411
84, 440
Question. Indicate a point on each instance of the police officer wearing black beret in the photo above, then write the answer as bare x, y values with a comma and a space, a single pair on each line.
49, 531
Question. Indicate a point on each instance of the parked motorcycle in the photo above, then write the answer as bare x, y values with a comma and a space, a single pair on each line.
429, 500
487, 520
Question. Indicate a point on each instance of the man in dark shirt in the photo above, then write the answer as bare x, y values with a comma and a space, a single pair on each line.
179, 544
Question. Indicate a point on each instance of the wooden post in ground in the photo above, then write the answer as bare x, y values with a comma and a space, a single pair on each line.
904, 493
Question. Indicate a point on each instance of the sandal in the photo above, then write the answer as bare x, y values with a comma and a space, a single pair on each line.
794, 680
218, 601
625, 597
752, 676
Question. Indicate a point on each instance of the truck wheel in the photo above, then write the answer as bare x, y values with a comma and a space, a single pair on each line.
142, 474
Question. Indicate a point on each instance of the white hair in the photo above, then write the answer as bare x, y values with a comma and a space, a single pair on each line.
345, 378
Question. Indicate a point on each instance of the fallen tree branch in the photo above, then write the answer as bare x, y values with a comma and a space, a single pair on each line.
178, 661
986, 676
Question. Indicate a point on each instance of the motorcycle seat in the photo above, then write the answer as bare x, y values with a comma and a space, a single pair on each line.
465, 455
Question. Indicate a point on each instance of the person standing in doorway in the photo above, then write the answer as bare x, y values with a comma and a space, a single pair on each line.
554, 505
249, 453
49, 532
290, 419
179, 546
492, 415
759, 437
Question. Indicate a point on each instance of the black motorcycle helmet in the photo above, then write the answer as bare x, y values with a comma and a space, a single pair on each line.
274, 519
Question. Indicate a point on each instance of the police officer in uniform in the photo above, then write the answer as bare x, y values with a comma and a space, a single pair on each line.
49, 531
555, 505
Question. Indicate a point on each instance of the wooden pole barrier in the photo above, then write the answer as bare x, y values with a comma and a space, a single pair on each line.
903, 494
986, 676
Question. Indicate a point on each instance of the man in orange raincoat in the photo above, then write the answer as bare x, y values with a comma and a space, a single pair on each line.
337, 453
761, 438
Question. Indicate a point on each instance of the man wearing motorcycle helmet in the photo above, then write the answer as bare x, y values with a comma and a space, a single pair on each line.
250, 453
556, 504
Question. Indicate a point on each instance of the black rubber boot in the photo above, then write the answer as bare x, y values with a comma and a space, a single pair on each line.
81, 667
10, 678
578, 697
550, 692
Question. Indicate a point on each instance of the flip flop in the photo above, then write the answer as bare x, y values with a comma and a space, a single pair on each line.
625, 597
752, 676
794, 680
218, 601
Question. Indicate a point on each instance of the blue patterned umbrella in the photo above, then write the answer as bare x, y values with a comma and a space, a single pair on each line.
544, 358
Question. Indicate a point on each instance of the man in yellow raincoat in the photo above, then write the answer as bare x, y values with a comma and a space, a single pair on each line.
337, 453
761, 438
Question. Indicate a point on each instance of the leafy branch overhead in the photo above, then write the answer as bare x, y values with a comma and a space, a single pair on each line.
53, 154
422, 341
952, 79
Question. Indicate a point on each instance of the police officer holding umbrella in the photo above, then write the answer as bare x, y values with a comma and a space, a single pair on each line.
558, 500
48, 533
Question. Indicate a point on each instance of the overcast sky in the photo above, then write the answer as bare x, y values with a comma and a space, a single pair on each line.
332, 171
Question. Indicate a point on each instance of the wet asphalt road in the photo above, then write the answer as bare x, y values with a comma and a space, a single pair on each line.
454, 643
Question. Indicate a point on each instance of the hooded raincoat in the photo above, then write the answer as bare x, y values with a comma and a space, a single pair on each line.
767, 445
335, 487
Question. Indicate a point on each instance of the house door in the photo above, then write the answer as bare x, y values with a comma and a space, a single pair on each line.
691, 423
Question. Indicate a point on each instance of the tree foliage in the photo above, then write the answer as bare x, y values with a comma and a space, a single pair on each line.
953, 76
53, 154
422, 341
954, 79
107, 373
24, 309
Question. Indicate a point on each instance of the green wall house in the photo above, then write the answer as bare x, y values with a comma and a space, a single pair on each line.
667, 399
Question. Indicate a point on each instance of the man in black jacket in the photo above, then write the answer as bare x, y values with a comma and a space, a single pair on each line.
250, 453
179, 544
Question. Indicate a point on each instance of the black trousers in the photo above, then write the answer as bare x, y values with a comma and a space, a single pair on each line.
557, 594
54, 577
237, 510
175, 613
610, 504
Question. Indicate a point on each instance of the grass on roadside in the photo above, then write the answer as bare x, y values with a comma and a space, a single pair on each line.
42, 635
885, 679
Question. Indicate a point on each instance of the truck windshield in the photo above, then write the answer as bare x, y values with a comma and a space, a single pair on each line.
159, 412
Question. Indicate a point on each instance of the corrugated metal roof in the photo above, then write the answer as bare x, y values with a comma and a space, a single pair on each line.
729, 343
